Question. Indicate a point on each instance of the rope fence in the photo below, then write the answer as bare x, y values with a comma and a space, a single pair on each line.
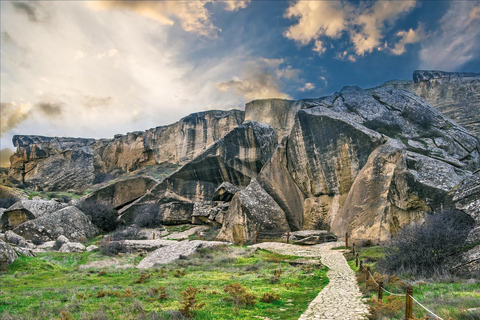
409, 299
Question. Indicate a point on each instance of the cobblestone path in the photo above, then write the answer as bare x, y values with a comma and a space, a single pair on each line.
341, 298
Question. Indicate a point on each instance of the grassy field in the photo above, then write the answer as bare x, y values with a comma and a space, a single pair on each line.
54, 286
449, 298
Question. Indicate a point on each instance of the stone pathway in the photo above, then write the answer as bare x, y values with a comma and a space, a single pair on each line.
341, 298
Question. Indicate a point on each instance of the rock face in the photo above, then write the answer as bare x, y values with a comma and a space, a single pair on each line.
67, 221
236, 158
7, 255
455, 94
252, 209
25, 210
46, 163
123, 192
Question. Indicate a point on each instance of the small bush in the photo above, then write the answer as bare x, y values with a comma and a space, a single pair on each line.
57, 245
385, 310
101, 214
189, 302
269, 297
178, 273
143, 278
423, 249
239, 295
113, 248
148, 218
132, 232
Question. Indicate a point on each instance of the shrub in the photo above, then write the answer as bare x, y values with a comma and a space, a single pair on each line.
132, 232
385, 310
239, 295
143, 277
178, 273
102, 214
423, 249
189, 301
57, 245
7, 202
269, 297
148, 217
113, 248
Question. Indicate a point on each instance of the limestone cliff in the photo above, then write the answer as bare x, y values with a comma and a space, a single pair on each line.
455, 94
47, 163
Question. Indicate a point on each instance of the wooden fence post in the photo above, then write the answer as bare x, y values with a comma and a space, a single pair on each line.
380, 290
361, 265
356, 260
409, 303
353, 249
346, 240
256, 236
153, 236
288, 236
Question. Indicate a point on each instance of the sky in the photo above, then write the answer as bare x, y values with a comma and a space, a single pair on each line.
97, 68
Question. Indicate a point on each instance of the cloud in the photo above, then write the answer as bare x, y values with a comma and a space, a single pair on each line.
457, 40
407, 37
307, 87
5, 155
260, 80
192, 15
27, 9
474, 14
364, 23
13, 114
233, 5
52, 110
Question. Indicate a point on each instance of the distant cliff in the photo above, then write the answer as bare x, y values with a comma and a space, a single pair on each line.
53, 163
455, 94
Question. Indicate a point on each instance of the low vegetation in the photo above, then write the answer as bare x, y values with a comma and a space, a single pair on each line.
222, 283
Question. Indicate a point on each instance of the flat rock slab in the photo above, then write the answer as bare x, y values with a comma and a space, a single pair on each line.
185, 234
341, 298
174, 250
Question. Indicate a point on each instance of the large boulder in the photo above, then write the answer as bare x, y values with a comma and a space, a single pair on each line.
67, 221
7, 255
13, 194
25, 210
225, 192
122, 192
252, 210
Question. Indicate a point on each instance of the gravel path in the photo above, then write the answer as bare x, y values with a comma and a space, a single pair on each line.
341, 298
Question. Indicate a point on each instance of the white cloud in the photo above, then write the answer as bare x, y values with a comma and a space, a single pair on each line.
78, 55
260, 79
474, 14
364, 23
307, 87
234, 5
456, 42
407, 37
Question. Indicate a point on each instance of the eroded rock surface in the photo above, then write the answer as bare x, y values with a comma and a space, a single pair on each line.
25, 210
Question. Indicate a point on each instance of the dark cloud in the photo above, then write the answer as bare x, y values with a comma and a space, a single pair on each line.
5, 157
27, 9
50, 109
12, 115
93, 102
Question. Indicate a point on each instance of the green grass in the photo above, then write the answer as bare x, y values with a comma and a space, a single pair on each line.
41, 287
449, 298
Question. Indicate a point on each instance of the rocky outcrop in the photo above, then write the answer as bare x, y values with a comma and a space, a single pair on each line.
251, 210
7, 255
67, 221
25, 210
225, 192
12, 193
51, 163
122, 192
236, 158
455, 94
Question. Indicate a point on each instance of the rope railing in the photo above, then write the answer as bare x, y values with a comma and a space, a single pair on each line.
408, 295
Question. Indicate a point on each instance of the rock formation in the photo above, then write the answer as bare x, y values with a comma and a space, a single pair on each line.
46, 163
25, 210
455, 94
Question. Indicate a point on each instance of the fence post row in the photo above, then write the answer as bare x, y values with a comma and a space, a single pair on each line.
409, 303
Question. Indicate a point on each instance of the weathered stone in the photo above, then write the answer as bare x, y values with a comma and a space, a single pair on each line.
225, 192
7, 255
91, 248
276, 180
25, 210
68, 220
50, 163
14, 239
72, 247
252, 209
12, 193
174, 250
62, 239
122, 192
455, 94
311, 237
